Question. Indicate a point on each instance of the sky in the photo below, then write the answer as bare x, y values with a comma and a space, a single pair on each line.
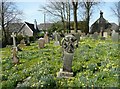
32, 11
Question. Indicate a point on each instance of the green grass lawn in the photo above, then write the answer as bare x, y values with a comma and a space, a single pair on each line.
95, 64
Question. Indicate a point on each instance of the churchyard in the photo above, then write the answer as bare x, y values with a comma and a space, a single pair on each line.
95, 64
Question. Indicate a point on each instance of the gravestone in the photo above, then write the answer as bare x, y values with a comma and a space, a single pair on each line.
77, 35
14, 41
69, 43
22, 44
14, 50
41, 43
115, 36
56, 39
46, 38
105, 34
95, 36
15, 59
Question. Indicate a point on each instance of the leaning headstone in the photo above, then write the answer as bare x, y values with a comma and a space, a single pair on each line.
56, 39
46, 38
69, 43
41, 43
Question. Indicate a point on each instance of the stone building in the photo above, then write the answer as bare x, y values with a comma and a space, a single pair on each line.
101, 25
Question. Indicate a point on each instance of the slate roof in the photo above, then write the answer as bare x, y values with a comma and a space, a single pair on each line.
17, 27
101, 22
114, 26
31, 26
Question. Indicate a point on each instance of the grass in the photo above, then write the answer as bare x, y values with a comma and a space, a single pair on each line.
95, 64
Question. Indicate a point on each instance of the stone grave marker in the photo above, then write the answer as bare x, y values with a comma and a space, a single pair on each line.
77, 35
15, 59
105, 34
14, 50
95, 36
69, 43
46, 38
41, 43
14, 41
56, 39
22, 44
115, 36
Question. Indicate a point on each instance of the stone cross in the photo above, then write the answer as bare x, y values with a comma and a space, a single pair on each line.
15, 59
13, 36
69, 43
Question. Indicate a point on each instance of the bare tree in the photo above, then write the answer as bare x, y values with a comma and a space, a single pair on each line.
116, 11
8, 14
88, 6
56, 9
75, 7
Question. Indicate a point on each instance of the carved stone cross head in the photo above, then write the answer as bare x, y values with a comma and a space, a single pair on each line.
69, 43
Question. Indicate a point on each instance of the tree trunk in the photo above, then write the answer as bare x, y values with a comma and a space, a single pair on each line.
75, 19
87, 21
63, 22
3, 27
75, 4
69, 18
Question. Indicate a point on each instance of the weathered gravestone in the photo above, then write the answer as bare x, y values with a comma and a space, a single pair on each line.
13, 36
14, 50
46, 38
69, 43
105, 34
41, 43
115, 36
77, 35
22, 44
95, 36
15, 59
56, 39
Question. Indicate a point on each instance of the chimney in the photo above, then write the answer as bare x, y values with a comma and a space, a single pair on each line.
101, 14
35, 24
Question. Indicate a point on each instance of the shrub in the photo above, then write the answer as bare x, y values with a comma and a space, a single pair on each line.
32, 39
19, 38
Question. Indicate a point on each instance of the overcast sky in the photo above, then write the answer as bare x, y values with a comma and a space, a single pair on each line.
30, 10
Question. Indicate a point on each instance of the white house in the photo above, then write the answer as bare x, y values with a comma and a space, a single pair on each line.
25, 29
